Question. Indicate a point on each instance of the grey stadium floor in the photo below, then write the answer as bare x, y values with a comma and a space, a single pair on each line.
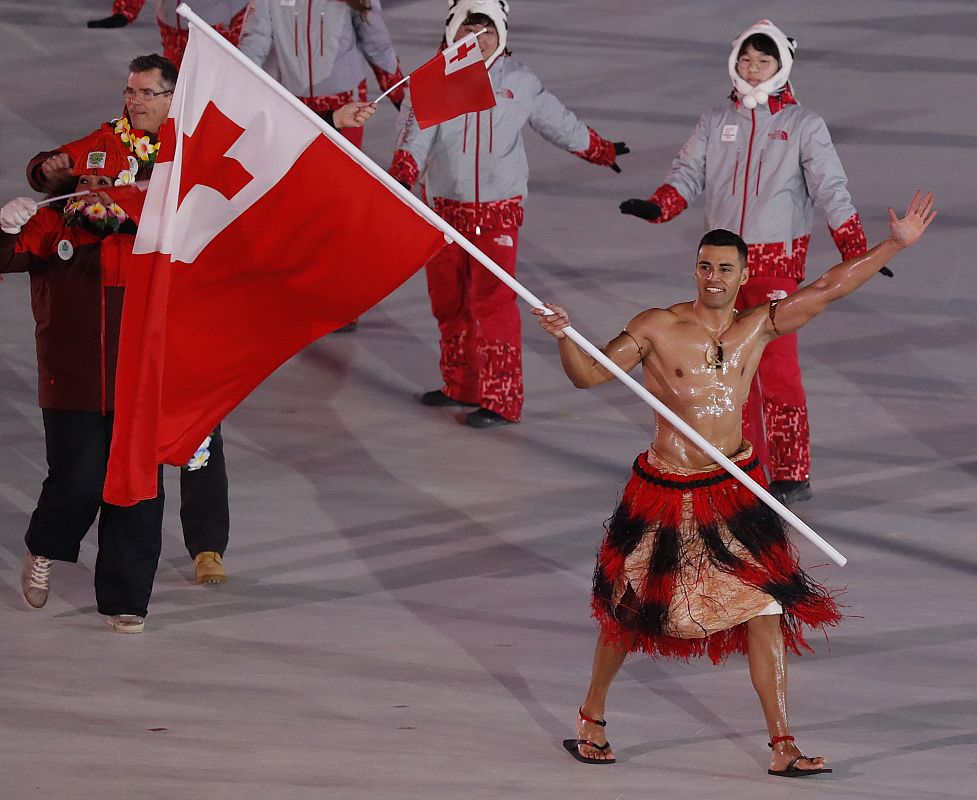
407, 615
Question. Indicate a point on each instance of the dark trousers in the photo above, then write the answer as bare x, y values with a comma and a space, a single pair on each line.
203, 502
129, 538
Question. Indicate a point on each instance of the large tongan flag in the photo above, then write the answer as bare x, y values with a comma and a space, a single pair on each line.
453, 83
260, 233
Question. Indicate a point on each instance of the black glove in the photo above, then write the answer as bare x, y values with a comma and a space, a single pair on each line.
887, 272
115, 21
620, 148
643, 209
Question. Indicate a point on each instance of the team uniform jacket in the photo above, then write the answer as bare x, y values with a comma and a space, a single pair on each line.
475, 166
318, 44
225, 16
77, 305
762, 172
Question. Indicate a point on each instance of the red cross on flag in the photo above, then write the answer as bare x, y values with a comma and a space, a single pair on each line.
260, 233
453, 83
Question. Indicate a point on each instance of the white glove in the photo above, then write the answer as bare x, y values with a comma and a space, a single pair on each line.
15, 214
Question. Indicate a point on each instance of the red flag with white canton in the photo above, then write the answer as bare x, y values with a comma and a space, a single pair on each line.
259, 235
453, 83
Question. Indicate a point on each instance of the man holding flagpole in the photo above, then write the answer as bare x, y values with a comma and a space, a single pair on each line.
476, 175
204, 511
692, 563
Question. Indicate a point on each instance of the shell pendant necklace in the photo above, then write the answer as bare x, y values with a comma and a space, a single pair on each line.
715, 357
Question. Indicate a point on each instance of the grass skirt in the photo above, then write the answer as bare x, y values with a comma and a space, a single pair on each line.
690, 556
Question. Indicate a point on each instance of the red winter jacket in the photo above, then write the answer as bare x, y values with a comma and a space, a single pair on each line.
77, 281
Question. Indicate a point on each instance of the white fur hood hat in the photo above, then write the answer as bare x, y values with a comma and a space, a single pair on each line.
495, 10
752, 96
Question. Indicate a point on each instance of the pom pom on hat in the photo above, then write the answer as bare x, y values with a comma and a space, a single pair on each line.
752, 96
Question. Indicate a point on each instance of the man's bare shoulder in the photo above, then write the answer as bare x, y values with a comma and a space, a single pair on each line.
753, 316
654, 319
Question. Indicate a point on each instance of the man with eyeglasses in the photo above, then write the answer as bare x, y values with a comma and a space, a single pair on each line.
148, 94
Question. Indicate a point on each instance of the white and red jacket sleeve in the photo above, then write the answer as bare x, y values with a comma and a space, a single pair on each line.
827, 185
558, 125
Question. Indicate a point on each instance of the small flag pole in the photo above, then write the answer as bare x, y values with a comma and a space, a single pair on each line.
62, 197
95, 190
406, 78
398, 83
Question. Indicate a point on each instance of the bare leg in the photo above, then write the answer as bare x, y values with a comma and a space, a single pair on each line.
608, 659
768, 671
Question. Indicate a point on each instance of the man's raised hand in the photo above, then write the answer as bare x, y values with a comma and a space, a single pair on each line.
907, 231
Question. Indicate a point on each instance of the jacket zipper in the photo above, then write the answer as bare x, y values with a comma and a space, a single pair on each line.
759, 169
308, 42
464, 141
321, 34
491, 128
295, 19
746, 172
736, 171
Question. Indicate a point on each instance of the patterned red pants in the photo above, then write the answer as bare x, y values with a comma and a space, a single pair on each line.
481, 331
775, 415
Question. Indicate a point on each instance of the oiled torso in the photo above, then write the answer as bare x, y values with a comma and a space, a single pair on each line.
709, 398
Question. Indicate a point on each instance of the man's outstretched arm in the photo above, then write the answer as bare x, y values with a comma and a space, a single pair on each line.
843, 279
582, 369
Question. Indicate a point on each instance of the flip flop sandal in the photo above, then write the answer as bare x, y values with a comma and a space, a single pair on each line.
790, 771
572, 746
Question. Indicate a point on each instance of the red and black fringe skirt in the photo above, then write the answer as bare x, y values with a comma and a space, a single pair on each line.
691, 556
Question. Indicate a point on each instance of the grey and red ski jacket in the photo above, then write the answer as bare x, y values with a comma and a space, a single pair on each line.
474, 166
762, 173
320, 46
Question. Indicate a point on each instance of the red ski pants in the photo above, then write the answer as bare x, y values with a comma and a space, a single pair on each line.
775, 415
481, 331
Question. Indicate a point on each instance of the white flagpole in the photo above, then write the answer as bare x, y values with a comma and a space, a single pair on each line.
398, 83
474, 34
63, 197
451, 235
141, 185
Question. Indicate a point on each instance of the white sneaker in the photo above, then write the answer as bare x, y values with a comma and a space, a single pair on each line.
126, 623
35, 580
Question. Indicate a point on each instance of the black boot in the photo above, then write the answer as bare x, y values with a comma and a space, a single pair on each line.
790, 492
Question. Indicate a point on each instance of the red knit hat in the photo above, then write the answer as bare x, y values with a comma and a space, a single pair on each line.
106, 155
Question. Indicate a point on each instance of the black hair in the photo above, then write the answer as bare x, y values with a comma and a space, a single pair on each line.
167, 69
720, 237
479, 19
762, 44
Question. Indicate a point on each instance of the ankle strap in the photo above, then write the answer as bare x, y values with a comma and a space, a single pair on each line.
591, 720
778, 740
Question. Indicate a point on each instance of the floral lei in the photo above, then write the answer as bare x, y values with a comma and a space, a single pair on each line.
97, 217
139, 146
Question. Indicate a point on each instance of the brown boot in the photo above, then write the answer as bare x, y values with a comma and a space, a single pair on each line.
209, 568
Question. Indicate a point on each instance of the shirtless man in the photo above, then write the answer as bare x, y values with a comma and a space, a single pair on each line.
692, 563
